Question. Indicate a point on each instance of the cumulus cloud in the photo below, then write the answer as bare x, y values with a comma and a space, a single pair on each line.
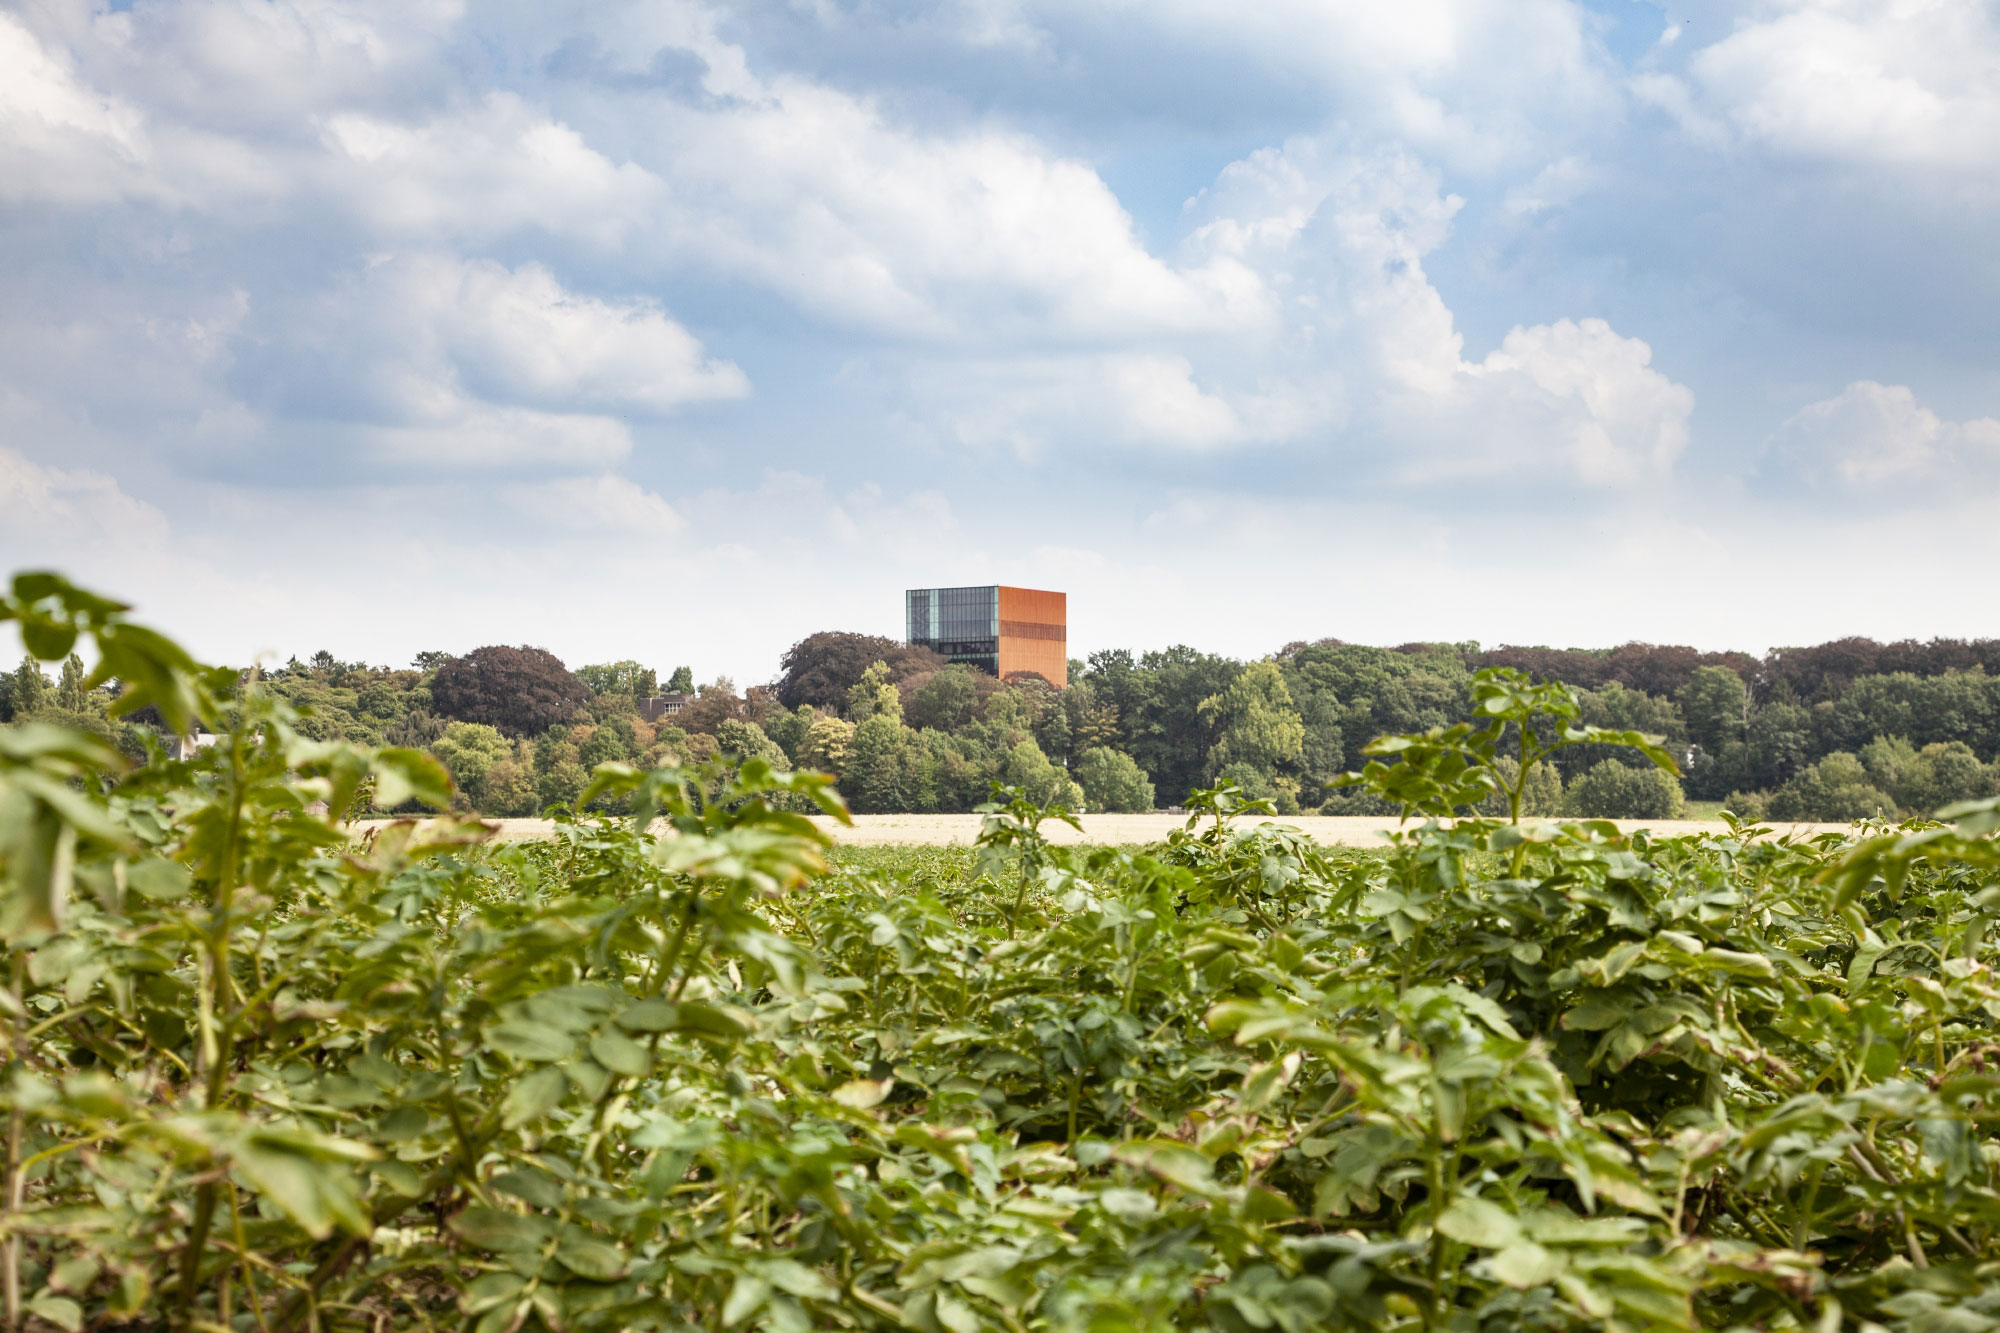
1343, 235
54, 511
489, 170
60, 139
599, 506
1138, 402
447, 360
1873, 437
1903, 82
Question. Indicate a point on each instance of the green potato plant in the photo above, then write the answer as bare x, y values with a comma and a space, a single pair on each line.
685, 1069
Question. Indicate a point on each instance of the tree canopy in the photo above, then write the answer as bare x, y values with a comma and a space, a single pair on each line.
521, 691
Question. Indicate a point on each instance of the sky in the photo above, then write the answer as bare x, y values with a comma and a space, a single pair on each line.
677, 331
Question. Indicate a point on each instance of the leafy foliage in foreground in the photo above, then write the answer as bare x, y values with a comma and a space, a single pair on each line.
680, 1076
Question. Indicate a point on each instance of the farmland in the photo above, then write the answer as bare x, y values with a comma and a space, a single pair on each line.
1117, 830
1491, 1074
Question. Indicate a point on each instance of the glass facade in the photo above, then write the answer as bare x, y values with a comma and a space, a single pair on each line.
962, 624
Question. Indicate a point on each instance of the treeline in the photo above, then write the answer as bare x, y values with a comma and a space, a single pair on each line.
1843, 730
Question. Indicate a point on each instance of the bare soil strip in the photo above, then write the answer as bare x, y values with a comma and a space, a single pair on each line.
1116, 830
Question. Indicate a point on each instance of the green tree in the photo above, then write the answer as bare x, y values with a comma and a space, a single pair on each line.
1093, 719
1158, 702
1836, 789
510, 789
1112, 780
562, 783
874, 696
31, 687
888, 773
744, 739
946, 701
469, 750
1255, 720
828, 745
789, 730
682, 681
603, 746
1715, 704
1923, 781
71, 696
626, 677
1029, 769
1612, 789
1779, 742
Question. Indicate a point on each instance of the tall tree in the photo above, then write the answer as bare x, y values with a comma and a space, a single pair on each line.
522, 691
1715, 704
1255, 721
821, 668
31, 687
70, 693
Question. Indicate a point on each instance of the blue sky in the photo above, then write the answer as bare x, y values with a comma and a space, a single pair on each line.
678, 331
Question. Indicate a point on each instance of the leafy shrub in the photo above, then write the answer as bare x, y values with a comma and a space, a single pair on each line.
1613, 789
1112, 781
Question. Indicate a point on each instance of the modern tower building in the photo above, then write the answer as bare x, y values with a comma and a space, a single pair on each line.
997, 629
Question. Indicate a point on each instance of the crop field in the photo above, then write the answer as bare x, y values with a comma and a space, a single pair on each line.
1488, 1075
1115, 830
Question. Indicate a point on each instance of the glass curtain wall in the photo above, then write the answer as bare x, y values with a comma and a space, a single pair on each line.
963, 624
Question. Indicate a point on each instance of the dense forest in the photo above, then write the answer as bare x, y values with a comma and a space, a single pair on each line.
1844, 730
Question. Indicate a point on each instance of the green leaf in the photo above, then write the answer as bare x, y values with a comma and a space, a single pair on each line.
297, 1184
620, 1054
500, 1231
533, 1097
1173, 1162
587, 1257
527, 1040
686, 1016
746, 1297
1477, 1221
862, 1093
158, 879
532, 1185
401, 775
61, 1311
1523, 1265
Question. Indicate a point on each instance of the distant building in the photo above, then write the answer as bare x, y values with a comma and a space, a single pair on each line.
997, 629
663, 705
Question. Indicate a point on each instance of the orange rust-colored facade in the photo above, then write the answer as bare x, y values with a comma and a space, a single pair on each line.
1034, 634
998, 629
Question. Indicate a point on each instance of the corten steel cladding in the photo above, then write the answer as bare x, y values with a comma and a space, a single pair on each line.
997, 629
1034, 634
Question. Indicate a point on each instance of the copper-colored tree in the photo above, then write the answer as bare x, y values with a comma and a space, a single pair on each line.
522, 691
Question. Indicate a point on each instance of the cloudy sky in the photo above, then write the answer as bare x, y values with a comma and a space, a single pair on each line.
676, 331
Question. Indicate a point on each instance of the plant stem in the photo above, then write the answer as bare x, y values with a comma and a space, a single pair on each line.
16, 1058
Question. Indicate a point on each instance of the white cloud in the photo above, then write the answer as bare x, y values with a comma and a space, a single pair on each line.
488, 170
1342, 236
1906, 82
1423, 71
969, 234
60, 139
599, 506
439, 359
1874, 437
1623, 421
53, 513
